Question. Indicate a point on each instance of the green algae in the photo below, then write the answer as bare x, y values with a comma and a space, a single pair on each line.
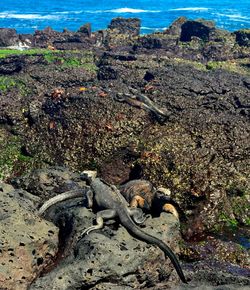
237, 66
241, 66
12, 160
8, 83
228, 222
72, 59
196, 64
11, 52
68, 58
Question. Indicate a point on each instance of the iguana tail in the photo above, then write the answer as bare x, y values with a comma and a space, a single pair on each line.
127, 222
71, 194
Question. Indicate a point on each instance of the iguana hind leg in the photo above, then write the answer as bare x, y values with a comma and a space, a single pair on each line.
100, 217
138, 215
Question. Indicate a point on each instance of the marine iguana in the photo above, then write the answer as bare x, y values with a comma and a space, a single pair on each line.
143, 102
112, 204
141, 193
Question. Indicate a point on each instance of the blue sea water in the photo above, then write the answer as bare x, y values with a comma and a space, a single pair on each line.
28, 15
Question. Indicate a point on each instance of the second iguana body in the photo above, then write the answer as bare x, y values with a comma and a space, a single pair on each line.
141, 193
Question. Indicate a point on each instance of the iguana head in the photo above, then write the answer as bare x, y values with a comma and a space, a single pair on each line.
162, 192
88, 175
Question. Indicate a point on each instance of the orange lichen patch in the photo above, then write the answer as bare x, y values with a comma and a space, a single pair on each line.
82, 89
109, 127
149, 88
137, 201
52, 125
170, 208
196, 193
57, 93
102, 94
50, 47
150, 155
146, 154
120, 117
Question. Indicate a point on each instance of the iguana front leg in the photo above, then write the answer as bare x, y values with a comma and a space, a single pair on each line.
90, 197
138, 201
167, 207
100, 217
163, 196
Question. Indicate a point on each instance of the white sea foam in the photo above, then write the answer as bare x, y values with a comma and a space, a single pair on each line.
153, 28
235, 17
28, 16
190, 9
19, 46
70, 12
147, 28
132, 10
124, 10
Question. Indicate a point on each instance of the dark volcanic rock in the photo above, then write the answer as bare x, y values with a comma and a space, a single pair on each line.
204, 30
85, 29
193, 39
26, 39
63, 40
200, 28
208, 276
199, 40
129, 26
43, 38
11, 65
243, 37
201, 162
150, 42
8, 37
107, 73
47, 182
176, 27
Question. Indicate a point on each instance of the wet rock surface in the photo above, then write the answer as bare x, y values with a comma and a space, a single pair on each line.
97, 107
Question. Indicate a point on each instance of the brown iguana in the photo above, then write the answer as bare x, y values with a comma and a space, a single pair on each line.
141, 193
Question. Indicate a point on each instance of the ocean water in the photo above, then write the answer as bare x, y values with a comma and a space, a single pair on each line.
26, 16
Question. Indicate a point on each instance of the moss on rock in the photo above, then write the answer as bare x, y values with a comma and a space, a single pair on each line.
12, 160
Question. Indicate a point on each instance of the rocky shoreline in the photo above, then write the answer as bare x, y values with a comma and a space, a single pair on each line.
172, 108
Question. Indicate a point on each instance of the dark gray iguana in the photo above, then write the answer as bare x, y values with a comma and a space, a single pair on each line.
112, 204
